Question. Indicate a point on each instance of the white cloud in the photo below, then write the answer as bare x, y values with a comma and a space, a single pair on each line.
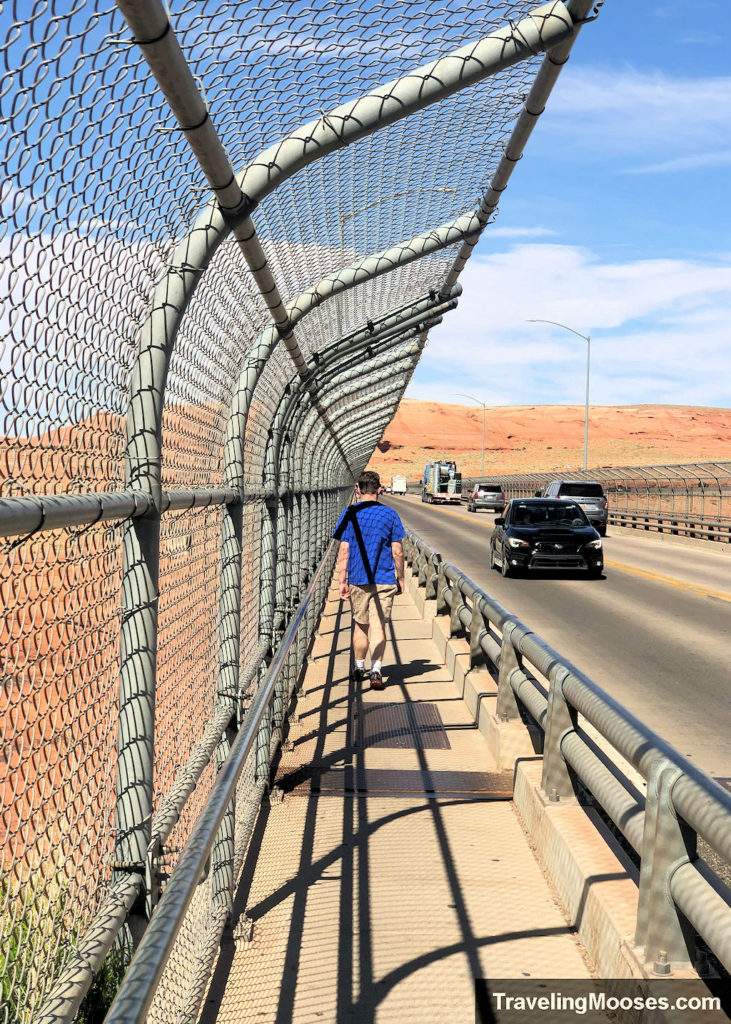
659, 330
642, 114
700, 38
694, 162
508, 232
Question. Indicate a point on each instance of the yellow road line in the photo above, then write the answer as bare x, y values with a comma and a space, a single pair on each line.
669, 581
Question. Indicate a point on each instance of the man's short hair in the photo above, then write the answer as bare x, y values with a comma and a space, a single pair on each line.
369, 482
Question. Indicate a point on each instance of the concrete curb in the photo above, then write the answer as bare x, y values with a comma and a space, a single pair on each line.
594, 879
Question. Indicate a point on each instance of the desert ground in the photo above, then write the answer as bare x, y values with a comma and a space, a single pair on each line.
550, 437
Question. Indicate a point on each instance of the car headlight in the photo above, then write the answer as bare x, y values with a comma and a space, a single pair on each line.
514, 542
596, 544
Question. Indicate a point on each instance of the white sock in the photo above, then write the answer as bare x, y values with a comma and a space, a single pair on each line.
359, 664
376, 666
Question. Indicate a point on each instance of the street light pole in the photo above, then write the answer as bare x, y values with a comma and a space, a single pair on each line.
587, 339
484, 407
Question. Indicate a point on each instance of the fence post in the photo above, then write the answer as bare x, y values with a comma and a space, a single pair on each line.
442, 586
479, 629
432, 576
137, 687
422, 568
408, 551
506, 707
663, 932
558, 780
458, 605
229, 626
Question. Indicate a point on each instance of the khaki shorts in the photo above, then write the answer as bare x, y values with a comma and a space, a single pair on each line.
372, 602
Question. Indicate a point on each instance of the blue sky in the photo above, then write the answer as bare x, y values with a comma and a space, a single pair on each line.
617, 222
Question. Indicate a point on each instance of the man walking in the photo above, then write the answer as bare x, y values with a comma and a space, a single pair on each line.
370, 572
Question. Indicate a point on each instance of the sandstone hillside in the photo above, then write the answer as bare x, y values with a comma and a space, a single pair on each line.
536, 437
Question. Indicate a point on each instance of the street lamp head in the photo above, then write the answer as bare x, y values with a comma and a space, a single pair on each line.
555, 323
458, 394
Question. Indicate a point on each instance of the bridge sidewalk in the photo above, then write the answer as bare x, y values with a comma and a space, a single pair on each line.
395, 870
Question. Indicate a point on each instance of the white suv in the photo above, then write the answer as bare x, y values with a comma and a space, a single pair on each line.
587, 493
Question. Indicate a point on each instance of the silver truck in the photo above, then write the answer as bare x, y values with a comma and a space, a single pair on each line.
442, 483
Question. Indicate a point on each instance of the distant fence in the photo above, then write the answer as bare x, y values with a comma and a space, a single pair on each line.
692, 499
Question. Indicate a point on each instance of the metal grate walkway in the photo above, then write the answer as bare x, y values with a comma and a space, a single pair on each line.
387, 877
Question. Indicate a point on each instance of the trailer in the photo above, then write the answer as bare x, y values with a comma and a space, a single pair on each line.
398, 485
442, 483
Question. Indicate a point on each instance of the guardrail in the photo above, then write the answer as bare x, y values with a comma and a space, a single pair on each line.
182, 405
691, 500
678, 526
217, 842
681, 804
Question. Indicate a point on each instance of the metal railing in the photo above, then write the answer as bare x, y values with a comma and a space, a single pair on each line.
681, 803
259, 736
191, 319
691, 499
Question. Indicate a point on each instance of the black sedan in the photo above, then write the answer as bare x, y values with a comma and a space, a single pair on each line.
545, 533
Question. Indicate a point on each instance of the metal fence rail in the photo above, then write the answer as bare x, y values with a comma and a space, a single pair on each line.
681, 803
692, 499
204, 262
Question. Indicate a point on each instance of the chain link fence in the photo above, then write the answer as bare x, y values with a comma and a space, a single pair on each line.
172, 461
692, 499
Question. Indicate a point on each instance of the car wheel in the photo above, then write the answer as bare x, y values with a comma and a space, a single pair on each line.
506, 569
493, 563
596, 572
602, 528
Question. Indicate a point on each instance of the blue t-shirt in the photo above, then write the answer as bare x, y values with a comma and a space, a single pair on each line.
369, 530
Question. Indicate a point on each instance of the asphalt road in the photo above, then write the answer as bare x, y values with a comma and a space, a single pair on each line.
655, 632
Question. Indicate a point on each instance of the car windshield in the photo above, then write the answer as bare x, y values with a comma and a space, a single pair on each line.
490, 489
581, 489
565, 513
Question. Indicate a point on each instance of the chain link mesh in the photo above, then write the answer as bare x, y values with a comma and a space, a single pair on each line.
100, 186
691, 491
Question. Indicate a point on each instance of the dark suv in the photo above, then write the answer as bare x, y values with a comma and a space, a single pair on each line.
487, 496
589, 494
545, 533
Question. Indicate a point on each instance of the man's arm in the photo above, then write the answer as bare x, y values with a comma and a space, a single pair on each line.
343, 570
397, 550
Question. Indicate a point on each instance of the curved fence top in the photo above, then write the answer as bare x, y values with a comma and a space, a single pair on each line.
223, 224
102, 183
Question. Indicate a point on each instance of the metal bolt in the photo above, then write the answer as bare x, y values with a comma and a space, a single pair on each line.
244, 929
553, 796
661, 965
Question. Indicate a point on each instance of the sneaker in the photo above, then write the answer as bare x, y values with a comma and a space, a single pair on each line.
376, 680
357, 675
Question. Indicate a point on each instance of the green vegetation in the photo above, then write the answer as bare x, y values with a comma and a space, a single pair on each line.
104, 987
35, 942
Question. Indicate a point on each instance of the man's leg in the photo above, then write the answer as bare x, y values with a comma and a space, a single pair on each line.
380, 614
378, 646
378, 640
360, 642
359, 618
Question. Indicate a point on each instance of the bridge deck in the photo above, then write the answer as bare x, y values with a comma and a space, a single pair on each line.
396, 869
